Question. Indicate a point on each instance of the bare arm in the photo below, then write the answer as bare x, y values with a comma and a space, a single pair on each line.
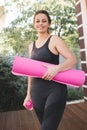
70, 59
29, 78
28, 96
59, 47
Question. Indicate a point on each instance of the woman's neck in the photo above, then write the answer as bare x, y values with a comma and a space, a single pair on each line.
42, 39
42, 36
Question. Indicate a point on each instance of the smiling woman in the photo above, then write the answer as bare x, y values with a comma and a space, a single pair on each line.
42, 22
48, 97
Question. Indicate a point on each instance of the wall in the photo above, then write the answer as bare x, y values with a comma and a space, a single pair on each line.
81, 10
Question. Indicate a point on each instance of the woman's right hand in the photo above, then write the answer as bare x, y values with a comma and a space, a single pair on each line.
27, 98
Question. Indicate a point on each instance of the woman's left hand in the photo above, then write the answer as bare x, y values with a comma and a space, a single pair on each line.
51, 72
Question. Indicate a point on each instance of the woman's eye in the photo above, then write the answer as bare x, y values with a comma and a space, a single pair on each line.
44, 21
37, 21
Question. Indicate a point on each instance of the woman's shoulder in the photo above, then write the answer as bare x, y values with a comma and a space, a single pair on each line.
56, 38
30, 45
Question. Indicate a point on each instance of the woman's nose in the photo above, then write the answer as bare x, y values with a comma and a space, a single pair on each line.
40, 22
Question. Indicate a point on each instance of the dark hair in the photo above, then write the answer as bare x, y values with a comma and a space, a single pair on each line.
43, 12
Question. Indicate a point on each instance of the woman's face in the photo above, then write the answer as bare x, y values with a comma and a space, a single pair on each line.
41, 23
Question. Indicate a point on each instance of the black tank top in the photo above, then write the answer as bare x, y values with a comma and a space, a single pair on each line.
44, 54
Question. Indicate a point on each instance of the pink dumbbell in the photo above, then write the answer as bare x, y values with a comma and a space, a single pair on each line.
29, 105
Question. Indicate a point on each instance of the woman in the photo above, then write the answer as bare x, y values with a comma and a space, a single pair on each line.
49, 97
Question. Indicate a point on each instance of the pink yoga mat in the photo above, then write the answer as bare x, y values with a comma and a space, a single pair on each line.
27, 67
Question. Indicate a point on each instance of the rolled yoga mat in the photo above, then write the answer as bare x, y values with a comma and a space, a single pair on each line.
27, 67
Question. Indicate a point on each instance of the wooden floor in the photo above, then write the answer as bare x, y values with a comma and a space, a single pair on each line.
74, 118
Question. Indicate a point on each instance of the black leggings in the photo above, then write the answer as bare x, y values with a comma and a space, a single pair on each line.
49, 104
